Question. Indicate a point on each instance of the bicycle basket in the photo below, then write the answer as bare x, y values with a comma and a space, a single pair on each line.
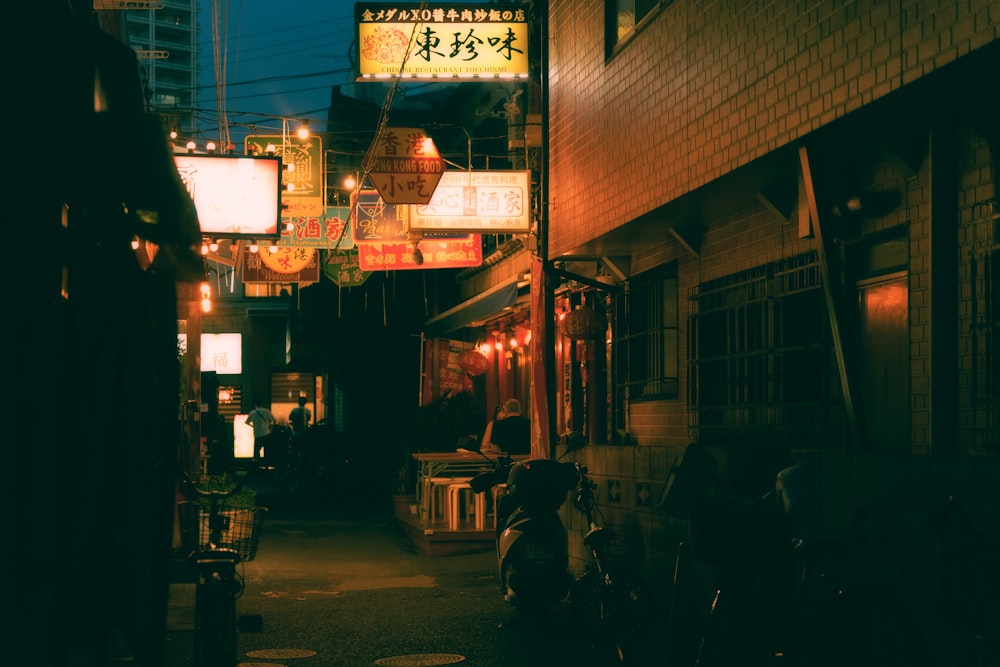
240, 531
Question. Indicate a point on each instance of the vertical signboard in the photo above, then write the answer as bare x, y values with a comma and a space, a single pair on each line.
303, 162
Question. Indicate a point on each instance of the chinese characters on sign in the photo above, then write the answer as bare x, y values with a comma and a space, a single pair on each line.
343, 269
437, 254
441, 40
477, 201
303, 164
287, 265
404, 165
330, 231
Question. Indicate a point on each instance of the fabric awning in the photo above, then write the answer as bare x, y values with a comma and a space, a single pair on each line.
476, 309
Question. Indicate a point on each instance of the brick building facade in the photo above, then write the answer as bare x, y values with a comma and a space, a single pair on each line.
841, 157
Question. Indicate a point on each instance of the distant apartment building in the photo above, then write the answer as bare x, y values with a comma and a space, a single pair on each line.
166, 43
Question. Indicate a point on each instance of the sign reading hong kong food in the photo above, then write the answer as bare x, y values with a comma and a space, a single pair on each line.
441, 40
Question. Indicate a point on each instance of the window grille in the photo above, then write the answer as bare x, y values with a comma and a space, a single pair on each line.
761, 362
645, 341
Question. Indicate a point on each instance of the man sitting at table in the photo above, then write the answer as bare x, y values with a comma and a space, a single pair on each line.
510, 432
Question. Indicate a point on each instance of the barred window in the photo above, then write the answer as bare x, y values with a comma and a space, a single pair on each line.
644, 342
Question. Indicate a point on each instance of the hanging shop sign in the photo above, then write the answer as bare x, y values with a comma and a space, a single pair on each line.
303, 170
329, 231
483, 202
287, 265
376, 220
440, 40
404, 165
235, 196
343, 269
435, 253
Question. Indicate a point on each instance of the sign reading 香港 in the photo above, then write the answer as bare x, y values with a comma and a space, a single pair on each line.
440, 40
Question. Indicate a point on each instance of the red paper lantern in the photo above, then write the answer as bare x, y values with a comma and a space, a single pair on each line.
473, 362
582, 323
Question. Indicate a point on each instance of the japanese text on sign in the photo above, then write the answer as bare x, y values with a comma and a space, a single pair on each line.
443, 40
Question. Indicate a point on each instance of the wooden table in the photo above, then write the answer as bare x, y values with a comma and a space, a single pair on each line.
452, 464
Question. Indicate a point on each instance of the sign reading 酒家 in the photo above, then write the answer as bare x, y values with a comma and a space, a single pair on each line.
329, 231
482, 202
441, 40
343, 269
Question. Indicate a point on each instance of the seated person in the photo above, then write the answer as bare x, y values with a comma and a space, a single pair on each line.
510, 432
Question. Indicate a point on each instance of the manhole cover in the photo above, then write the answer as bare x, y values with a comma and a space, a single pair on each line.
421, 660
273, 653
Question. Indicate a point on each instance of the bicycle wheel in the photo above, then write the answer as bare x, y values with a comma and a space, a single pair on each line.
611, 610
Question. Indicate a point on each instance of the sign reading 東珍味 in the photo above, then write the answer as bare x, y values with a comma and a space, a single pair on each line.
441, 40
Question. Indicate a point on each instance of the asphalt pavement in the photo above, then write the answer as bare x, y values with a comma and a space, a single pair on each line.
343, 587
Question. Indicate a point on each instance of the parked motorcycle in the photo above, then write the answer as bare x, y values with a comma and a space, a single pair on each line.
532, 544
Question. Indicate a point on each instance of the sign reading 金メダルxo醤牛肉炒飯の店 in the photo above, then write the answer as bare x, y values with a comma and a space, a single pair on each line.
440, 40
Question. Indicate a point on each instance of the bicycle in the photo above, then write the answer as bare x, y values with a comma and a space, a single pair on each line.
781, 598
220, 536
608, 602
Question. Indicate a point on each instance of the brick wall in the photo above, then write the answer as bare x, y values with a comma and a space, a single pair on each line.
708, 87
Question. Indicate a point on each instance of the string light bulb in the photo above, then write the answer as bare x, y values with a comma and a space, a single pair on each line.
206, 298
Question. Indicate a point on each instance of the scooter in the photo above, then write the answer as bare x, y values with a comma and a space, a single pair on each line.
532, 544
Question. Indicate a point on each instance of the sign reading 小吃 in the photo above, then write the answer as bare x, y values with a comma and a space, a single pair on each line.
491, 202
404, 165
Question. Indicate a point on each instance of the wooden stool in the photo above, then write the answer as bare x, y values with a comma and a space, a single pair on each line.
455, 492
434, 499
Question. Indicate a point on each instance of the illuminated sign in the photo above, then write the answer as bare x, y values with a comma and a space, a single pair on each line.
440, 41
235, 197
404, 164
436, 253
287, 265
331, 231
303, 159
493, 202
222, 353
